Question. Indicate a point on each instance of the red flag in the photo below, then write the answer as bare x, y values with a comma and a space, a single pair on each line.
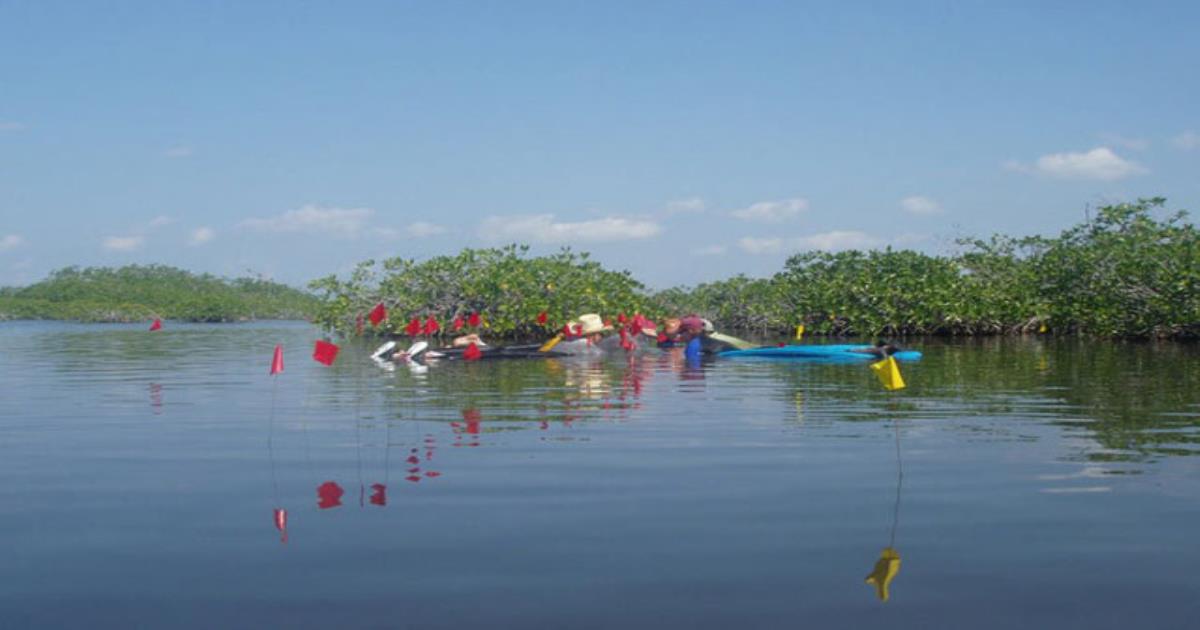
431, 325
621, 318
458, 323
566, 330
541, 318
378, 314
281, 523
325, 352
329, 495
413, 328
472, 353
156, 324
474, 320
378, 494
277, 360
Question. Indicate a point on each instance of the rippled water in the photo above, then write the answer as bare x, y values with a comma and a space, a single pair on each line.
1020, 483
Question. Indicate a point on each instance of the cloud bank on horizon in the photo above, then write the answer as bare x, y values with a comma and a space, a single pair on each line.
688, 150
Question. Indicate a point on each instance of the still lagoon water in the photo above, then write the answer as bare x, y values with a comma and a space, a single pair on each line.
165, 480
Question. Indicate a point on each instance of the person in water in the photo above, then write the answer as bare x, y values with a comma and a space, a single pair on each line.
680, 331
584, 334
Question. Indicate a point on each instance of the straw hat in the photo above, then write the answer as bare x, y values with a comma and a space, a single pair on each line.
590, 324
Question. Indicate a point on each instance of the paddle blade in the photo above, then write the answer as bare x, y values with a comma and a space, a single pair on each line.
740, 344
888, 372
799, 332
277, 360
546, 347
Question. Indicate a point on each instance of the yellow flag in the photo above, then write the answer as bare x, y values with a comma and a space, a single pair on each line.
888, 372
799, 332
885, 571
1042, 328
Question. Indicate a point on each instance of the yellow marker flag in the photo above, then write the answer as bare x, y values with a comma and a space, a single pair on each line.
888, 372
886, 568
1042, 329
799, 332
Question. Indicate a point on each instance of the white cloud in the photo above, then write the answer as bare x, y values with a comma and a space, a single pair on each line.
311, 219
753, 245
123, 243
711, 250
160, 221
681, 206
1099, 163
543, 228
422, 229
839, 240
202, 235
11, 125
772, 211
1187, 140
836, 240
181, 151
918, 204
10, 241
1133, 144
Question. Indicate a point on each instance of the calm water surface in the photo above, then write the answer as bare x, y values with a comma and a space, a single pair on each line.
163, 479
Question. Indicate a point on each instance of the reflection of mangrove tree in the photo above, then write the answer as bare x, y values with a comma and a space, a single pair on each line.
1136, 399
137, 292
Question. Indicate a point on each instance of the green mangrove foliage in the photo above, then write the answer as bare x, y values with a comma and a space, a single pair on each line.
508, 288
1123, 273
139, 292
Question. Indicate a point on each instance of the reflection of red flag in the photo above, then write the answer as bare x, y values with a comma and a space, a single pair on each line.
358, 324
277, 360
431, 325
472, 353
472, 416
281, 523
377, 314
378, 494
325, 352
329, 495
156, 324
413, 328
458, 323
474, 320
541, 318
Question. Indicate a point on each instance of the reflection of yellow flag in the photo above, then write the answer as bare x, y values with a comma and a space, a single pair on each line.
886, 568
888, 372
799, 332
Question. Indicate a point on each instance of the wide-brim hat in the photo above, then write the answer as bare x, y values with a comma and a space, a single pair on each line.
590, 324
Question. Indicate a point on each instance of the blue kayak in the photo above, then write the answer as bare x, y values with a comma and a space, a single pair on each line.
836, 352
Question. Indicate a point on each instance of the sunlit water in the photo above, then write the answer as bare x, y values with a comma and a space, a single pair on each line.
164, 479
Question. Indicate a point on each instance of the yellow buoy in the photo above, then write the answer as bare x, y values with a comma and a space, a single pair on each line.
888, 372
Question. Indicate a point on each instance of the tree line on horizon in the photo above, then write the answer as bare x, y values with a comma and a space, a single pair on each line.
1123, 273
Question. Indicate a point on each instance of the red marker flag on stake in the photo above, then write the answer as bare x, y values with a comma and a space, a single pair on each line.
431, 325
472, 353
474, 320
541, 318
377, 314
277, 360
458, 323
156, 324
281, 523
325, 352
413, 328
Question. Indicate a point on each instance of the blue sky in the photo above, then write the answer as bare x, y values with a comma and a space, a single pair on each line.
684, 141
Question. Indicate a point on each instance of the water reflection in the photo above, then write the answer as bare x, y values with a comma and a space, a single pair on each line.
888, 565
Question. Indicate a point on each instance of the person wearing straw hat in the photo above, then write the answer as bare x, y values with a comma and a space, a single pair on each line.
583, 335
